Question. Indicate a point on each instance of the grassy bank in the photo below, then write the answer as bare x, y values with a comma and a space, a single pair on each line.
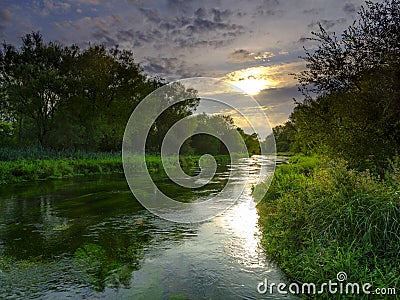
319, 218
18, 165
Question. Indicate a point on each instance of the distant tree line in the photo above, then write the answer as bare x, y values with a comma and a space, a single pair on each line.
64, 97
351, 89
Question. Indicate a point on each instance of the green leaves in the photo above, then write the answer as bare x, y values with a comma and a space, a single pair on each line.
351, 86
69, 98
320, 218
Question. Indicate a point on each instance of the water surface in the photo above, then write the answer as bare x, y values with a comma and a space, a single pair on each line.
89, 238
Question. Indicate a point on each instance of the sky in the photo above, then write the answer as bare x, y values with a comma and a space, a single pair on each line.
254, 44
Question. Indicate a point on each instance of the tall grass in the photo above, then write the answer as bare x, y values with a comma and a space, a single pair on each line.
320, 218
36, 164
13, 154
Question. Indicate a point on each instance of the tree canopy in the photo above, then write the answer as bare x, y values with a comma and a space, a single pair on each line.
65, 97
351, 89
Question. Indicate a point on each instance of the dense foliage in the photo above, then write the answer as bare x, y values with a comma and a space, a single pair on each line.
71, 98
321, 218
67, 98
338, 209
351, 86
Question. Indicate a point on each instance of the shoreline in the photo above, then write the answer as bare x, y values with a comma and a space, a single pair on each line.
25, 170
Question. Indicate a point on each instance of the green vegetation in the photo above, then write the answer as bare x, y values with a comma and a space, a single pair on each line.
319, 218
65, 98
18, 165
338, 209
351, 105
63, 111
26, 170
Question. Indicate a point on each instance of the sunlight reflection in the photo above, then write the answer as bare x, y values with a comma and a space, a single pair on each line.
242, 222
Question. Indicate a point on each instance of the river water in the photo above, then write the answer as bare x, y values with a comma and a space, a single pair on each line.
89, 238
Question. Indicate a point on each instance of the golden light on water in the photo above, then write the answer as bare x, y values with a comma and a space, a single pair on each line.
252, 80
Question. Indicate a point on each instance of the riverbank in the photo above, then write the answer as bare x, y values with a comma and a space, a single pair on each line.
319, 218
30, 165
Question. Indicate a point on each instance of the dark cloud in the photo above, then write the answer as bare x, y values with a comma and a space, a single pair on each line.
104, 36
240, 55
181, 6
151, 14
243, 55
200, 13
202, 27
327, 24
170, 67
279, 103
302, 40
220, 15
196, 42
349, 8
312, 11
91, 2
138, 38
269, 12
5, 18
272, 2
269, 8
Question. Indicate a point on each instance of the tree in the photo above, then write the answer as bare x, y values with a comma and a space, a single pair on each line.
373, 41
104, 89
65, 97
171, 112
352, 90
251, 141
284, 136
32, 84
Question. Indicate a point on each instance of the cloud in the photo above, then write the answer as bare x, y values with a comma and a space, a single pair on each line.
302, 40
264, 56
151, 14
243, 55
327, 24
219, 15
240, 56
5, 18
181, 6
278, 102
349, 8
201, 28
180, 38
269, 12
171, 67
91, 2
50, 6
313, 11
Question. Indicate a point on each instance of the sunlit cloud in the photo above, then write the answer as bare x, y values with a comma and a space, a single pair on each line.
251, 80
255, 79
264, 56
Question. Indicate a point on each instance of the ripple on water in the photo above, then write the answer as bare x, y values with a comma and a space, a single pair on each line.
216, 259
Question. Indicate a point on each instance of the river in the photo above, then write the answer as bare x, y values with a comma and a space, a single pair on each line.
89, 238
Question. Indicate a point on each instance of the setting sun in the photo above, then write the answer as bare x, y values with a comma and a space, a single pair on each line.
251, 80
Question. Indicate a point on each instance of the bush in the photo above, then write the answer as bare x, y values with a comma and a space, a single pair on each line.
320, 218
